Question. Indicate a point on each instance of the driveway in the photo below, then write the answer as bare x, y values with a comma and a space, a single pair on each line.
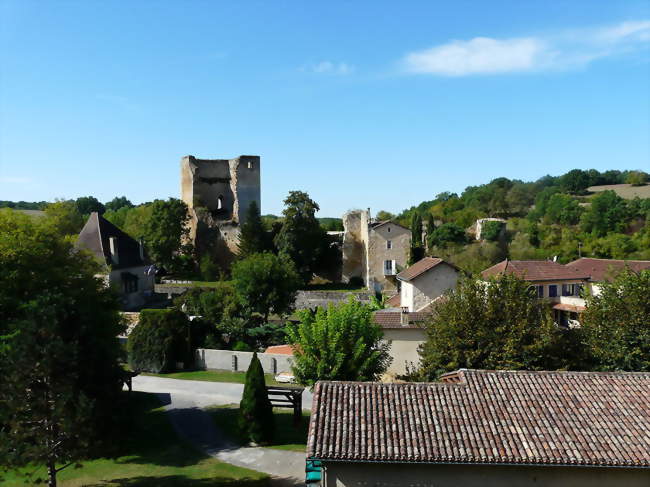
203, 393
184, 401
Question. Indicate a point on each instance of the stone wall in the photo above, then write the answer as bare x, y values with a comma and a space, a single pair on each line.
210, 359
378, 252
313, 299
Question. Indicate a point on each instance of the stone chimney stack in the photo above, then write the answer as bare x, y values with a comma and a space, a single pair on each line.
404, 316
115, 258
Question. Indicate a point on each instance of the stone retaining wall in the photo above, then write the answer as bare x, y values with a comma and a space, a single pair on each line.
312, 299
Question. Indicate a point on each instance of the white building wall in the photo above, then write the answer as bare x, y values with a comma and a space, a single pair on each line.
404, 348
431, 285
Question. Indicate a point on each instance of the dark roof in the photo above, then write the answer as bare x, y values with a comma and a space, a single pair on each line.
534, 270
493, 417
420, 267
393, 319
95, 237
606, 269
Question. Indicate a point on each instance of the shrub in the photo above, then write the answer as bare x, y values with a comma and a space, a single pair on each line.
448, 233
160, 339
491, 231
256, 413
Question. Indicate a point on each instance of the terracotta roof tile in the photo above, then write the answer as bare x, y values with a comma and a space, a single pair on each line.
420, 267
606, 269
280, 349
394, 301
498, 417
393, 319
535, 270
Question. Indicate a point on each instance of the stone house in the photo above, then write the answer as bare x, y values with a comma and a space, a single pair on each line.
601, 270
479, 428
422, 284
127, 268
375, 251
218, 193
560, 285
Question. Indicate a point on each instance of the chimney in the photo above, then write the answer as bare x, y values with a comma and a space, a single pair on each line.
141, 245
404, 316
115, 258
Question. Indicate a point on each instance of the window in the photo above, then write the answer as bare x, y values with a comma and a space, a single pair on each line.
567, 289
540, 291
220, 202
552, 291
389, 267
250, 164
389, 244
577, 288
388, 229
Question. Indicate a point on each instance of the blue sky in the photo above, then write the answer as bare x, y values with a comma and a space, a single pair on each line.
378, 104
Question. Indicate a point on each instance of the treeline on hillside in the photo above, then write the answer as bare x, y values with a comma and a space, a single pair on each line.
553, 216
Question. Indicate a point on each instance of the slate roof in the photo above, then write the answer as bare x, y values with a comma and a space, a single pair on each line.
420, 267
605, 269
535, 270
95, 237
487, 417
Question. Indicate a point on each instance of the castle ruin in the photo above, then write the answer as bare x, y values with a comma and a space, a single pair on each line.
218, 193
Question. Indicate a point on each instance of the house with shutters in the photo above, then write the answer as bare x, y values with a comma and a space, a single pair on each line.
480, 428
126, 267
562, 286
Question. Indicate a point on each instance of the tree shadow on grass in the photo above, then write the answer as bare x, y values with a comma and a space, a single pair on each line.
179, 480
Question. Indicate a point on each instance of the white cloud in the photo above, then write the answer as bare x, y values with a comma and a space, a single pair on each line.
484, 55
329, 67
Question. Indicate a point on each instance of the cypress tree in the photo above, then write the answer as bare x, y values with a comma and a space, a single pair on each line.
431, 226
417, 250
253, 238
256, 414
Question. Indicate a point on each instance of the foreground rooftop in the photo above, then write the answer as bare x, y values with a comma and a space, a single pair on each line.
487, 417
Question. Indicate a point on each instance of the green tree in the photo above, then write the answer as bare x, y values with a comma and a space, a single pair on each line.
563, 209
636, 178
59, 370
492, 230
253, 238
208, 267
501, 325
301, 236
256, 414
216, 304
431, 227
87, 204
607, 213
166, 232
136, 220
266, 283
64, 217
338, 343
417, 249
160, 340
616, 323
575, 181
448, 233
383, 215
117, 203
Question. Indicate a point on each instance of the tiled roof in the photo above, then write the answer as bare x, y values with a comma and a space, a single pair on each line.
385, 222
280, 349
494, 417
95, 237
420, 267
606, 269
534, 270
394, 301
393, 319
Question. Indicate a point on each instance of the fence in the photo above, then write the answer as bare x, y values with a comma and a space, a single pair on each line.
272, 363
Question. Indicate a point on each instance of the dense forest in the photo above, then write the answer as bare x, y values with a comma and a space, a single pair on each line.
555, 216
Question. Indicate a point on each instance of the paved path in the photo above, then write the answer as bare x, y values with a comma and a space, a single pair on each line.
184, 401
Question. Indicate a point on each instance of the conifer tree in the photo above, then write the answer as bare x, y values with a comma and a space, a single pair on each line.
417, 250
253, 238
256, 414
431, 226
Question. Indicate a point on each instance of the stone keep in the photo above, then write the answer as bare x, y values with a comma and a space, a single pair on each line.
218, 193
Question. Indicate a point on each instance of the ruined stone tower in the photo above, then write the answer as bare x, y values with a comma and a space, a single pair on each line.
218, 193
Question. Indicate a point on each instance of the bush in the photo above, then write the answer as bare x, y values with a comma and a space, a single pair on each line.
491, 231
448, 233
159, 340
637, 178
256, 420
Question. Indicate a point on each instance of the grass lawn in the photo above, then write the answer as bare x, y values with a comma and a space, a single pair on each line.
153, 456
216, 376
286, 437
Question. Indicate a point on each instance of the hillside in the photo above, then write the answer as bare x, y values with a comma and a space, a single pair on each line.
580, 213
